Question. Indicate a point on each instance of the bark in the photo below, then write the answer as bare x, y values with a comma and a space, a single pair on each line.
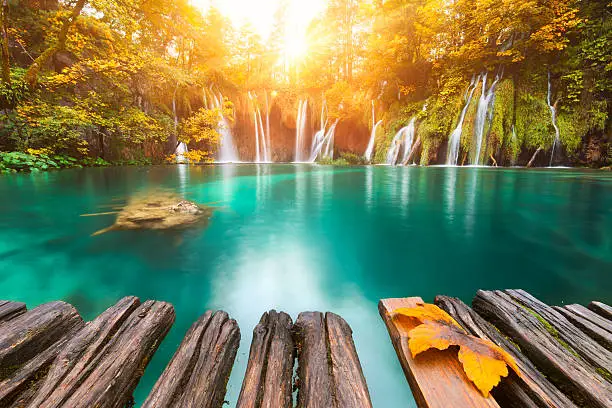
267, 382
31, 75
541, 344
595, 326
10, 310
530, 164
531, 389
198, 373
601, 309
6, 63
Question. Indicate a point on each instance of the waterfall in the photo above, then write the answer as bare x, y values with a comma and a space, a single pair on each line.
300, 129
395, 147
483, 113
181, 148
401, 142
323, 144
227, 152
268, 142
262, 138
370, 148
455, 137
514, 145
409, 132
553, 116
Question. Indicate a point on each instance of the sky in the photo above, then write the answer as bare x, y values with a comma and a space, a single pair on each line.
260, 14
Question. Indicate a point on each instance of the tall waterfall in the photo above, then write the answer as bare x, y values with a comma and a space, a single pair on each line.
370, 148
323, 142
401, 142
553, 115
181, 147
455, 137
262, 139
484, 114
300, 129
227, 152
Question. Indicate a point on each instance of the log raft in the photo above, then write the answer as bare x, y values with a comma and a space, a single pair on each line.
50, 358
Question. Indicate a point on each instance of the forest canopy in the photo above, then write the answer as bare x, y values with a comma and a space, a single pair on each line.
127, 80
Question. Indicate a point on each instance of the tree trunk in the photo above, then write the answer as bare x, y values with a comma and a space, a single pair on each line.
530, 164
6, 63
31, 75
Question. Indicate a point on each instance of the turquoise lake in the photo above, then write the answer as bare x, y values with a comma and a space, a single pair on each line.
307, 237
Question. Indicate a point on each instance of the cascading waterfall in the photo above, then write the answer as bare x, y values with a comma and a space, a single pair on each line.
455, 137
262, 153
323, 143
402, 141
300, 129
227, 152
553, 116
370, 148
484, 113
181, 148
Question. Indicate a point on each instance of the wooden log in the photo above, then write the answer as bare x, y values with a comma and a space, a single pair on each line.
601, 309
315, 379
27, 335
531, 389
595, 326
436, 378
69, 368
108, 378
198, 373
20, 387
267, 382
350, 387
9, 310
585, 346
555, 359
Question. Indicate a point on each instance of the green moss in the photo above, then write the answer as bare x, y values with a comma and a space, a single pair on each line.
550, 329
604, 373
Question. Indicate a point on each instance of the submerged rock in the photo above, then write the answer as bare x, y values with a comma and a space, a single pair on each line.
159, 211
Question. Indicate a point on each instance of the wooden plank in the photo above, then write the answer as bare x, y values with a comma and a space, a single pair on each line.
24, 337
80, 354
315, 379
350, 387
109, 378
436, 378
590, 323
555, 359
601, 309
198, 373
267, 382
10, 310
584, 345
531, 389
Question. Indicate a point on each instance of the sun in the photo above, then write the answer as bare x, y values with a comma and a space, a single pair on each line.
295, 46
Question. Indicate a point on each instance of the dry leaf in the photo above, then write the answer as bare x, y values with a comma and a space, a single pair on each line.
483, 361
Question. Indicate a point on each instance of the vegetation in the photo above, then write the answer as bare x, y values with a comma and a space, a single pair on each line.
127, 80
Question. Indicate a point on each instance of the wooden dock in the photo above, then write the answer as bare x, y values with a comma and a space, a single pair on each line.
51, 358
564, 353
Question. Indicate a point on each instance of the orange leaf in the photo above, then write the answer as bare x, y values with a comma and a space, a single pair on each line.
483, 361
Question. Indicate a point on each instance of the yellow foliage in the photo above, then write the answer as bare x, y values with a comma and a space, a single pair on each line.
483, 361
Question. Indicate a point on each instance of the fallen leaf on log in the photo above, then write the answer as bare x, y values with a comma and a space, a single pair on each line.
483, 361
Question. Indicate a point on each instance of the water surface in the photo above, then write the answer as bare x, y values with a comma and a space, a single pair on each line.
302, 237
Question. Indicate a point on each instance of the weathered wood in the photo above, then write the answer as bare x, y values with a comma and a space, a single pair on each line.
350, 387
19, 388
31, 333
436, 378
601, 309
69, 368
315, 379
531, 389
198, 373
597, 327
585, 346
108, 378
555, 359
9, 310
267, 382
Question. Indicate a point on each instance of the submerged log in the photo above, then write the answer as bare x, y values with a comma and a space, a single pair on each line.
329, 371
113, 362
554, 358
597, 327
436, 378
267, 382
68, 369
198, 373
601, 309
531, 389
585, 346
10, 310
31, 333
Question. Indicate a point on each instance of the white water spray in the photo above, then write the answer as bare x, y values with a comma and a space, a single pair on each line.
402, 141
300, 129
483, 114
370, 148
553, 115
455, 137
